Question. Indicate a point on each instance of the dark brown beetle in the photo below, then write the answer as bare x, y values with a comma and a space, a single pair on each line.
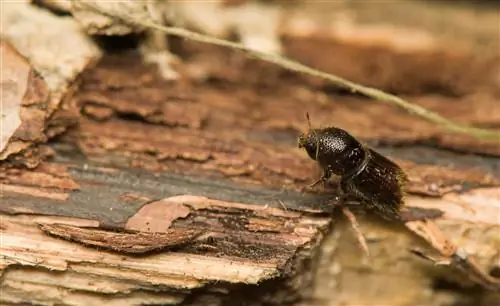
363, 172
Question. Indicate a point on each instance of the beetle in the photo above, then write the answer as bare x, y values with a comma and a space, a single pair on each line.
376, 180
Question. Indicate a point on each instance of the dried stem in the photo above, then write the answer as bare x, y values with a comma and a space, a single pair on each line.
464, 262
297, 67
355, 226
450, 254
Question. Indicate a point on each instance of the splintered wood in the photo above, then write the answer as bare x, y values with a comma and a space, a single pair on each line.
128, 243
191, 192
24, 98
186, 242
34, 84
194, 241
143, 182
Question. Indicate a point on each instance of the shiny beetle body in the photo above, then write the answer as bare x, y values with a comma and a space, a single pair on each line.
363, 172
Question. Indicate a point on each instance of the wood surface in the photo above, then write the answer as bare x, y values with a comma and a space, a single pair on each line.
191, 192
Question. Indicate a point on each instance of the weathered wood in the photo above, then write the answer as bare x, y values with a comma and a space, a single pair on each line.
248, 237
242, 244
190, 193
34, 83
406, 26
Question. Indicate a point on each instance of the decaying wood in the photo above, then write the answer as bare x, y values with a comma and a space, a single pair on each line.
24, 101
127, 243
190, 193
389, 278
255, 23
371, 23
241, 243
34, 83
201, 144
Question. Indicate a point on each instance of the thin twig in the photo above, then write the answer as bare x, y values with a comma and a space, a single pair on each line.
450, 253
282, 205
461, 260
297, 67
355, 226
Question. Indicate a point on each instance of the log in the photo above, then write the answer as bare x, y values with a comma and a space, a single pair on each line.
191, 193
214, 216
241, 244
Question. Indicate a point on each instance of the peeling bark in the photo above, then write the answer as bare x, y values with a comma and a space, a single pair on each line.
31, 39
191, 193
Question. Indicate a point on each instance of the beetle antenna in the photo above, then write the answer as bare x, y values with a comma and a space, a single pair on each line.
315, 135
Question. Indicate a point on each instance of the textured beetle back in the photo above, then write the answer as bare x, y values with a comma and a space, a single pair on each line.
339, 151
382, 185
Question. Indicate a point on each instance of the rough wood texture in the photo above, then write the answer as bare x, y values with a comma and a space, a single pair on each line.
406, 26
24, 98
189, 193
241, 244
34, 83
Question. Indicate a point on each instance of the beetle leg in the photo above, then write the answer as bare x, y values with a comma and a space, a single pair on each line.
343, 192
326, 175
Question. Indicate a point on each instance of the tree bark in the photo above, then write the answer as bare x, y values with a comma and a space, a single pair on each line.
190, 193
